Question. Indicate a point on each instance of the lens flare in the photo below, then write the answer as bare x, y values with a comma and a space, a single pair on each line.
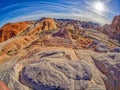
99, 6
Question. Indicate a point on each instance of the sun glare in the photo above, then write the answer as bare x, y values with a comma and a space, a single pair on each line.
99, 6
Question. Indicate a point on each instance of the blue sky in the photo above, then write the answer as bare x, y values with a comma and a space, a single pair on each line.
22, 10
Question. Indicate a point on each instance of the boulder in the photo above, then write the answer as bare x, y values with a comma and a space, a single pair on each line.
54, 74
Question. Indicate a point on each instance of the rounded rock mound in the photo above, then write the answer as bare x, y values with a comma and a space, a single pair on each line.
56, 75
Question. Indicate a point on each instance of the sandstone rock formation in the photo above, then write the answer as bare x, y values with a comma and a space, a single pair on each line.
116, 23
101, 47
41, 25
56, 74
10, 30
48, 24
11, 78
109, 65
3, 86
117, 49
62, 33
76, 72
60, 54
113, 30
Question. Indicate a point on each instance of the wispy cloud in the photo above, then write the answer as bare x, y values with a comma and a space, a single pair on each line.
64, 9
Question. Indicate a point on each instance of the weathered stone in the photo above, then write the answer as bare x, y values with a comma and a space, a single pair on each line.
3, 86
53, 74
117, 49
109, 65
11, 78
101, 47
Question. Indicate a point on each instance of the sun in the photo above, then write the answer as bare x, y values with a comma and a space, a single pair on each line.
99, 6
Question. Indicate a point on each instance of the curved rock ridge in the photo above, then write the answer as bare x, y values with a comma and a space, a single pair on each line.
54, 74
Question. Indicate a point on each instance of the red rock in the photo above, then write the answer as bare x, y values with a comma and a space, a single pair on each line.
10, 30
3, 86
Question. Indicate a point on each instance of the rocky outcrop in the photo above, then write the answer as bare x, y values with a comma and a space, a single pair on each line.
62, 65
109, 65
3, 86
75, 24
22, 28
12, 29
116, 23
59, 66
101, 47
116, 49
60, 55
63, 33
48, 24
113, 30
56, 74
96, 82
116, 26
11, 78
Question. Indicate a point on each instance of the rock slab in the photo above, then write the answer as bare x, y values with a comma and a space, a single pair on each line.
56, 75
109, 65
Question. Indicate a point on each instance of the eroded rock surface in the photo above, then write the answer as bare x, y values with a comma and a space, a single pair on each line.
12, 29
50, 54
109, 65
56, 74
3, 86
